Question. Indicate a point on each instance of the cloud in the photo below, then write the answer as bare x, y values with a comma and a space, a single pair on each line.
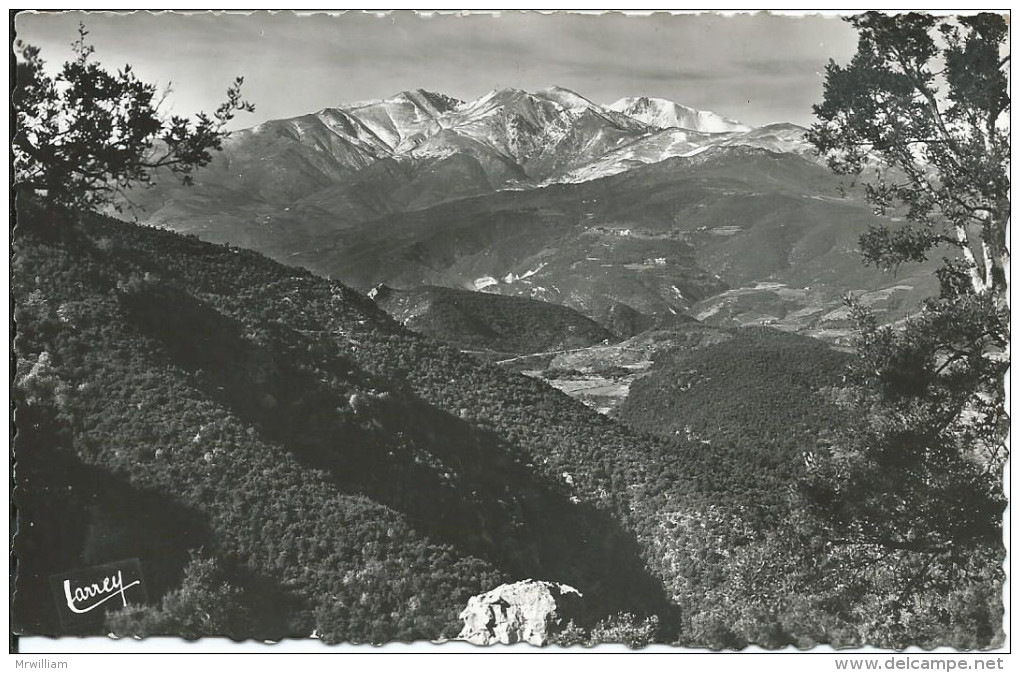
780, 66
640, 71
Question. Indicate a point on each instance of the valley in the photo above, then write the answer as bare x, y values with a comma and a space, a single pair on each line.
401, 356
639, 215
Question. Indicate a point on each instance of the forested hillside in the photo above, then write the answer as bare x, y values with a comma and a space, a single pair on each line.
760, 400
479, 321
285, 425
272, 443
747, 561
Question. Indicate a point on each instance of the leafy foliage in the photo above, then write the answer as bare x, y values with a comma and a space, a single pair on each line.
86, 134
910, 498
924, 103
623, 628
923, 106
206, 604
923, 470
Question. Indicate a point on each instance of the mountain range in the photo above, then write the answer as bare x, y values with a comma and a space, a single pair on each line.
644, 203
508, 138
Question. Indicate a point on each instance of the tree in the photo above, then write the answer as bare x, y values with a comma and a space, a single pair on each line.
206, 604
921, 112
923, 106
85, 134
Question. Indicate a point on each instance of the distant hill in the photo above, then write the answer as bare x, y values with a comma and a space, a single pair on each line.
757, 402
489, 322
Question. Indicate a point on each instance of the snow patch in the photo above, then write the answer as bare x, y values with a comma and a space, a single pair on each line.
695, 152
532, 272
512, 277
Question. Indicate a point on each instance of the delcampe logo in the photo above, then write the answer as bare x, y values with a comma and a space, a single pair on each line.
84, 596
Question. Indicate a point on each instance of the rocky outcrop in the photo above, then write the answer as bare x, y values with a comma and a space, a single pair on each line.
380, 292
529, 611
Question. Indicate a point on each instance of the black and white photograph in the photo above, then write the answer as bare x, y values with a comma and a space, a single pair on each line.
504, 331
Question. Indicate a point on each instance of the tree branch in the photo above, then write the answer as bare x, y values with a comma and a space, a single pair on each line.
918, 81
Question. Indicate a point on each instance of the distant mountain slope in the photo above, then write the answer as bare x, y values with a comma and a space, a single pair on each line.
678, 142
402, 119
649, 149
789, 138
489, 322
373, 477
738, 235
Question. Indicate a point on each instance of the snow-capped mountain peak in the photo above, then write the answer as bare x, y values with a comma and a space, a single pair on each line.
403, 115
507, 136
566, 98
663, 114
435, 102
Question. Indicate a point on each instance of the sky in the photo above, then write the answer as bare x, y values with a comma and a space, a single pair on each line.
758, 69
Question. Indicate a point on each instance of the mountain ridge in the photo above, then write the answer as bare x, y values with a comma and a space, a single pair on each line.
662, 113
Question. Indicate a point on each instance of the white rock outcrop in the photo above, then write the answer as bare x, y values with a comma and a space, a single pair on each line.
529, 611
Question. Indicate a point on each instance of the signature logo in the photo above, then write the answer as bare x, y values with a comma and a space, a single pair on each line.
84, 596
91, 596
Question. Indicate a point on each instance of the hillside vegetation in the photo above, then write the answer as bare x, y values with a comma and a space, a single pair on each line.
175, 395
750, 413
272, 443
757, 403
490, 322
661, 238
